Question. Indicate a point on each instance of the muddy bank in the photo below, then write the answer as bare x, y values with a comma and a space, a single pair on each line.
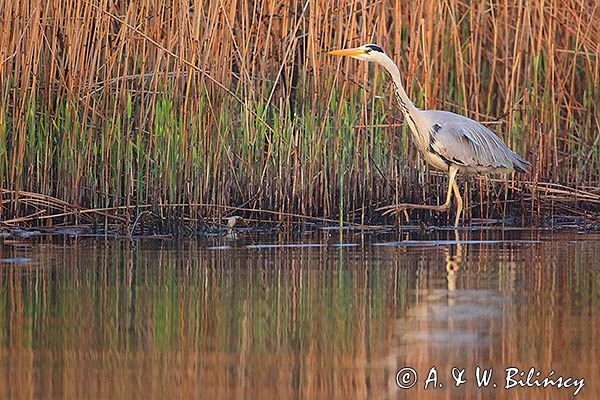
237, 225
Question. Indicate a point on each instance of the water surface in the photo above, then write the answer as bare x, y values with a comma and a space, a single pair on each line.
318, 315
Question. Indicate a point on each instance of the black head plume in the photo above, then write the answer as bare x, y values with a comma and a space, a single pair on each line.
374, 47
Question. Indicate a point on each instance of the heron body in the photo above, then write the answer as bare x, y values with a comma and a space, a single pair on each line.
447, 141
470, 146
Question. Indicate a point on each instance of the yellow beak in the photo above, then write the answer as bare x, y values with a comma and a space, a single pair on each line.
347, 52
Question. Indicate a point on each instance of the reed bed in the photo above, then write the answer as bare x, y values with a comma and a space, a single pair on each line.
196, 106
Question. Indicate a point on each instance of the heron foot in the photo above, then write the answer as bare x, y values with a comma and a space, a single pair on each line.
396, 208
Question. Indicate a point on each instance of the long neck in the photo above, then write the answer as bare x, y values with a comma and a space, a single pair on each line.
408, 108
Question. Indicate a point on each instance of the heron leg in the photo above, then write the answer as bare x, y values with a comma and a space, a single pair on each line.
444, 207
459, 203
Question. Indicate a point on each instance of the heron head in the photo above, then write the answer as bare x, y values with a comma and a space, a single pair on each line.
367, 52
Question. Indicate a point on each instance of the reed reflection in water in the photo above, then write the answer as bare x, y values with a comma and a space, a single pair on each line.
258, 318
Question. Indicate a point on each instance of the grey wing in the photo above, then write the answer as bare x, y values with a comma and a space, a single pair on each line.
469, 144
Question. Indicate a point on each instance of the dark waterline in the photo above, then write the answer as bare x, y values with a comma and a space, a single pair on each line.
317, 314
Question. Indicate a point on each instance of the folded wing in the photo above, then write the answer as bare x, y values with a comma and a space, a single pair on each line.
471, 145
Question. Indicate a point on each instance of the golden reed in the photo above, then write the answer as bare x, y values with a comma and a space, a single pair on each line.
124, 106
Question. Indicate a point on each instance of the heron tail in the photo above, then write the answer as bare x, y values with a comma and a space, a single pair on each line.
520, 164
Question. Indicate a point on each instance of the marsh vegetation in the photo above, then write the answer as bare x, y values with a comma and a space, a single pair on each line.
187, 108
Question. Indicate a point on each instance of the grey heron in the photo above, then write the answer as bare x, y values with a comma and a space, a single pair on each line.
448, 142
